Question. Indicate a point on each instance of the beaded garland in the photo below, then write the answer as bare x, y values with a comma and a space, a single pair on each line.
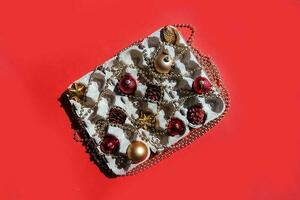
146, 99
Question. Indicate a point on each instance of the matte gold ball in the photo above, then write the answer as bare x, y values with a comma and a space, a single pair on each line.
163, 63
137, 151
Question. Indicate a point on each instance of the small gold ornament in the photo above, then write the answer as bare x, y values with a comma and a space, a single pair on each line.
169, 35
137, 151
77, 91
163, 63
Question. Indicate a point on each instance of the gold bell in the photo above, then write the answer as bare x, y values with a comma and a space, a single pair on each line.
77, 91
163, 63
137, 151
170, 35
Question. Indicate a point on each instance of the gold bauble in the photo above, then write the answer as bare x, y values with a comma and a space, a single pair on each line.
163, 63
137, 151
77, 91
169, 35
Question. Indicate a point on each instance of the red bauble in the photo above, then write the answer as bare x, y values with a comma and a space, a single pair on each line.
201, 85
175, 127
196, 115
110, 144
127, 84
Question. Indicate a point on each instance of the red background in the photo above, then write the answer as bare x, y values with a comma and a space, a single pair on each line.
253, 153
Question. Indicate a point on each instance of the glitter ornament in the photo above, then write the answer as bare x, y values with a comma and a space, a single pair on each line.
153, 93
110, 144
175, 127
196, 115
116, 116
169, 35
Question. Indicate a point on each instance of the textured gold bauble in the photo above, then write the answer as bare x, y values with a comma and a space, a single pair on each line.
163, 63
137, 151
77, 91
170, 35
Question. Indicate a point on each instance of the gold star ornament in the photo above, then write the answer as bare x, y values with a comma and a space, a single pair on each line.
146, 120
77, 91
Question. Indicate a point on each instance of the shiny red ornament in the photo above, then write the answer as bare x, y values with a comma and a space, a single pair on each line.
175, 127
110, 144
127, 84
201, 85
196, 115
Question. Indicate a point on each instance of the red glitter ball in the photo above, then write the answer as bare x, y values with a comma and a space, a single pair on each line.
196, 115
201, 85
116, 116
127, 84
153, 92
109, 144
175, 127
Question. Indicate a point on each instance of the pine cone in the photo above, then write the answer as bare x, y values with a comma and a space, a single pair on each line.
196, 115
153, 92
116, 116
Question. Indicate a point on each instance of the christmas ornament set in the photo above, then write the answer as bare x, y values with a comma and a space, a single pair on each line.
150, 100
